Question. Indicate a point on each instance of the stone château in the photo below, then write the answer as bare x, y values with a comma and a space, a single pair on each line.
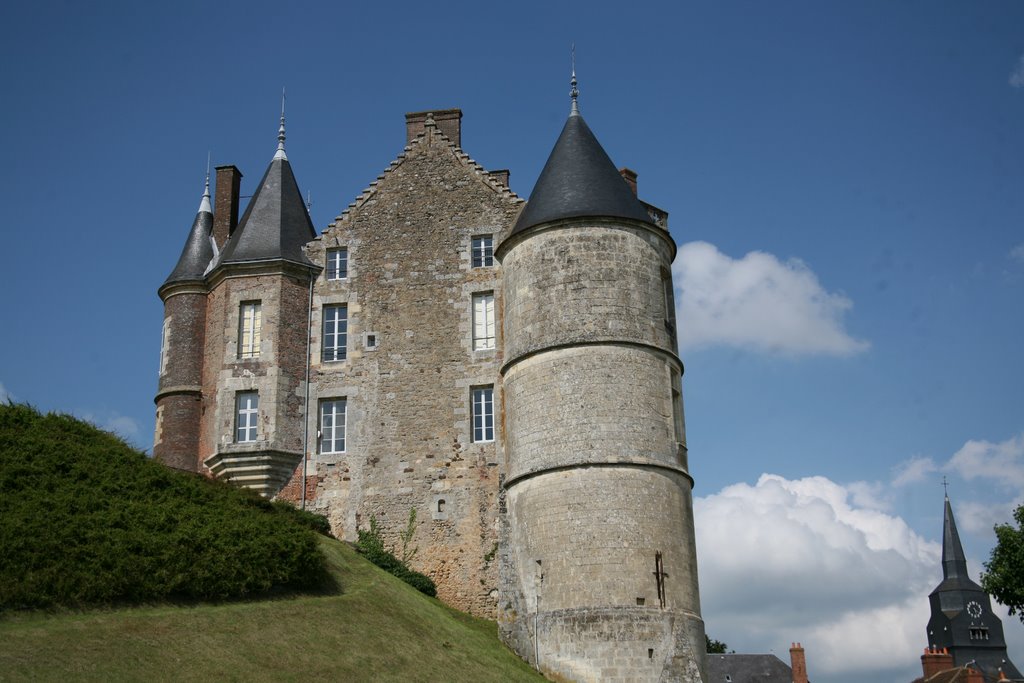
506, 369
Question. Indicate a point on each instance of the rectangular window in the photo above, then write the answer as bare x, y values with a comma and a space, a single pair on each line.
249, 324
670, 301
332, 425
483, 414
483, 321
165, 339
247, 413
677, 408
335, 338
483, 251
337, 263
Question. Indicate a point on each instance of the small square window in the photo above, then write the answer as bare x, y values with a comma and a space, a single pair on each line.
247, 413
483, 414
332, 425
483, 251
335, 336
337, 263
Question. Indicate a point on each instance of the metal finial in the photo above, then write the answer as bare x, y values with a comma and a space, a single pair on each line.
280, 132
204, 203
309, 201
574, 92
945, 486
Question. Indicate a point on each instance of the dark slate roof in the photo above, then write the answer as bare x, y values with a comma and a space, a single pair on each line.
954, 562
198, 251
579, 179
276, 224
748, 669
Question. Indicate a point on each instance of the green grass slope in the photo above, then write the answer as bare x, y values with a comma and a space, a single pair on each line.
377, 629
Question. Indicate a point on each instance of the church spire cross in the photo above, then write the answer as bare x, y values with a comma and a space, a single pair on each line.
280, 132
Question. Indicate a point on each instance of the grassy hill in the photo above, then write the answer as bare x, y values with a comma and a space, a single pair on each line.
88, 523
377, 629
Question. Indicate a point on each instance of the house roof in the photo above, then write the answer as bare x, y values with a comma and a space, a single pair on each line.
735, 668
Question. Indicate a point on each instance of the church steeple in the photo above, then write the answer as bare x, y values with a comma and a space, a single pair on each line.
962, 620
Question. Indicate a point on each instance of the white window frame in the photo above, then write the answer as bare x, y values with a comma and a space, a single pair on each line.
482, 414
165, 340
250, 329
336, 264
334, 335
483, 321
482, 251
247, 416
333, 424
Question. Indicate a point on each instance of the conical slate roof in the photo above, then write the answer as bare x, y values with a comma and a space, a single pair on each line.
198, 251
954, 562
579, 179
276, 224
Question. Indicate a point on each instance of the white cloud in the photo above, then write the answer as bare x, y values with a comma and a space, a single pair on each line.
807, 560
914, 470
1001, 462
979, 518
1017, 75
758, 302
5, 395
1017, 252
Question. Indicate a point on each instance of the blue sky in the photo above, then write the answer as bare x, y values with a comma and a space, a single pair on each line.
846, 181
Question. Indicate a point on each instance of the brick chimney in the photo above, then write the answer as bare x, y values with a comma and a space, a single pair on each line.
225, 203
797, 660
935, 660
449, 122
629, 176
974, 675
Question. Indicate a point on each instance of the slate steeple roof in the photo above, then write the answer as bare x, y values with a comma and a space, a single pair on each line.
276, 224
954, 562
199, 251
579, 179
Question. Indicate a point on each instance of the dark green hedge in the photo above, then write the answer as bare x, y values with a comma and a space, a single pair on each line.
87, 520
371, 546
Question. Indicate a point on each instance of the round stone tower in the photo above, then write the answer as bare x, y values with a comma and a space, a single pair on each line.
599, 571
179, 397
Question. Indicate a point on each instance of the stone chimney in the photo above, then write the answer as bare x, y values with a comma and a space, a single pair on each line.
225, 203
935, 660
449, 122
629, 176
797, 660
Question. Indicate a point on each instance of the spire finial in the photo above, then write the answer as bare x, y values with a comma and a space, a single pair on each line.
280, 132
574, 92
945, 486
204, 203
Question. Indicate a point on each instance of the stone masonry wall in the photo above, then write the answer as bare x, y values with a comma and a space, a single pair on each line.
408, 440
181, 370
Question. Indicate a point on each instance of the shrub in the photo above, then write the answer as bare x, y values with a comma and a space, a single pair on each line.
87, 520
371, 546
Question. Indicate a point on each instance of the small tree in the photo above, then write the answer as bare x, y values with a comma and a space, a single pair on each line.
1004, 571
715, 647
409, 550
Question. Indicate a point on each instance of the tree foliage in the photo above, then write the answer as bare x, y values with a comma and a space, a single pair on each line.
1004, 571
87, 520
715, 647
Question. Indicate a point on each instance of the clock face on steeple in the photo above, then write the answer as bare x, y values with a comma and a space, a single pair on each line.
974, 609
